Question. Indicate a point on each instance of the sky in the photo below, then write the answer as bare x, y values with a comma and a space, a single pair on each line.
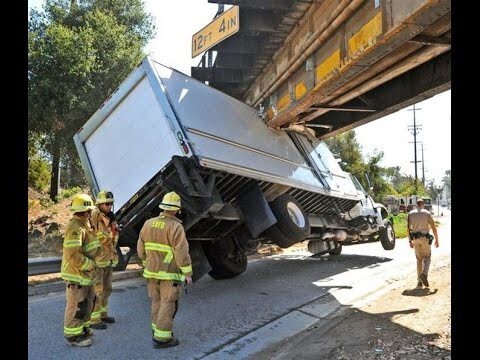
177, 20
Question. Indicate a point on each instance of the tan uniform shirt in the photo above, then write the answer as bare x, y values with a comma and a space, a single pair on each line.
163, 248
107, 234
80, 246
419, 221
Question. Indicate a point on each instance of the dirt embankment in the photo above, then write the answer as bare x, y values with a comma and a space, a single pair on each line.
46, 223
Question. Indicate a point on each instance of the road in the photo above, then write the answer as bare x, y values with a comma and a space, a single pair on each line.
276, 297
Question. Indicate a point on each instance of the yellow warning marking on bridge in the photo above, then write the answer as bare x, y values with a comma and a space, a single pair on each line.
300, 90
328, 66
284, 102
366, 36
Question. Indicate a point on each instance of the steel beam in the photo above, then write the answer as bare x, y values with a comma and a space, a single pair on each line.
429, 40
410, 19
419, 84
258, 4
241, 44
235, 61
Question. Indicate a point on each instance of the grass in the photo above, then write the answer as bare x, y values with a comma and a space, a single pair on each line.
400, 225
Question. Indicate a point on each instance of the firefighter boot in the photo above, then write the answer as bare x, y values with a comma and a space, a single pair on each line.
99, 326
80, 340
108, 319
165, 344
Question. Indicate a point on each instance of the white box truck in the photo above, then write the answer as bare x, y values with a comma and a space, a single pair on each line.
241, 183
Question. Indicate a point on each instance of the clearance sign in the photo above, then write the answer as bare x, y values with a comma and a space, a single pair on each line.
219, 29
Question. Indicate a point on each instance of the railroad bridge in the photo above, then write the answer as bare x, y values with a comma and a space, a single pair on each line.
332, 65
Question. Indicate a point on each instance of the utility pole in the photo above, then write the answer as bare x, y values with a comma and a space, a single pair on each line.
414, 130
423, 168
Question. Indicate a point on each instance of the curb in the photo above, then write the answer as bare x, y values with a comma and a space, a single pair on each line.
59, 286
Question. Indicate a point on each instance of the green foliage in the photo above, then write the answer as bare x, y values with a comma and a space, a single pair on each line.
38, 168
400, 225
68, 193
346, 147
46, 202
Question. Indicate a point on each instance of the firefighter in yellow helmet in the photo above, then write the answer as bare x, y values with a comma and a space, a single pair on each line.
80, 247
106, 229
163, 248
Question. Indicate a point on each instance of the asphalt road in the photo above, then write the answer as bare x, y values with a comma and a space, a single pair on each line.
214, 313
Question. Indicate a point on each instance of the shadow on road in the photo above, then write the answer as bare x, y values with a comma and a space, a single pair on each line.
419, 292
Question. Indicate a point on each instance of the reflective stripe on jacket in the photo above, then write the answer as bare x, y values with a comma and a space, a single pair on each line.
80, 245
107, 235
163, 249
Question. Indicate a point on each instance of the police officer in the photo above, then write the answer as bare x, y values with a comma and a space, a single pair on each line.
80, 246
106, 229
163, 248
419, 221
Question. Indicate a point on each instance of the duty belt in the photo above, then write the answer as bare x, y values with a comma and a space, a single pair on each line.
417, 235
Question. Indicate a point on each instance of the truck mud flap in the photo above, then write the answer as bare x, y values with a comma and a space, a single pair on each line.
255, 210
199, 261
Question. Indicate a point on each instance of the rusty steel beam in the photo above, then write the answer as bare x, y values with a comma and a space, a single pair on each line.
419, 84
419, 57
405, 23
258, 4
340, 108
430, 40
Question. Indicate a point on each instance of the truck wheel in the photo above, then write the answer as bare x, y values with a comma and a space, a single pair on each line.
292, 221
225, 259
387, 236
337, 251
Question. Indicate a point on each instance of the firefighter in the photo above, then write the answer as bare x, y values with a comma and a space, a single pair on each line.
163, 248
106, 229
80, 246
419, 221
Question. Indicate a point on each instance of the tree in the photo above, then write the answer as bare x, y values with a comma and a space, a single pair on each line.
78, 53
447, 182
346, 146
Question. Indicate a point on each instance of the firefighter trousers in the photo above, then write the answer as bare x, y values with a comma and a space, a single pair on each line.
80, 300
164, 297
103, 290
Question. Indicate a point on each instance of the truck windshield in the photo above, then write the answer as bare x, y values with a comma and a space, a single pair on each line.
357, 184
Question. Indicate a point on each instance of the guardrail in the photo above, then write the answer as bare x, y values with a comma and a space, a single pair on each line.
39, 266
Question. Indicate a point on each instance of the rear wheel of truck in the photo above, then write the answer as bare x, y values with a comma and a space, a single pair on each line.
337, 251
292, 222
387, 236
225, 258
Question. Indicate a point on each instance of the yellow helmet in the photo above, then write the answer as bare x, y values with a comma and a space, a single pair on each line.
81, 203
104, 196
171, 201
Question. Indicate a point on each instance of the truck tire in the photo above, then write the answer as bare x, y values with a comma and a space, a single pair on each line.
337, 251
292, 221
387, 236
225, 259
